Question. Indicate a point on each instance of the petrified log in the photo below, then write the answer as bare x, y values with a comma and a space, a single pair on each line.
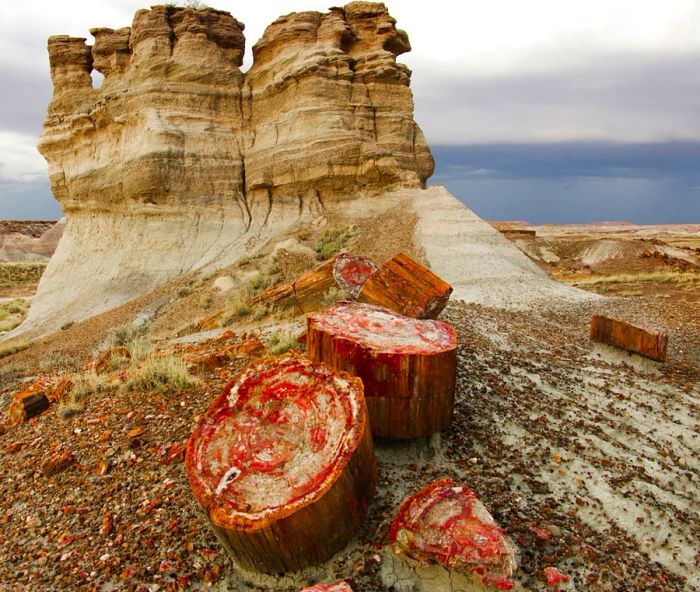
407, 366
25, 405
652, 344
283, 463
445, 523
308, 292
404, 285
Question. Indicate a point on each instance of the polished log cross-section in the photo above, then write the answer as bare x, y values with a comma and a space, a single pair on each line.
283, 463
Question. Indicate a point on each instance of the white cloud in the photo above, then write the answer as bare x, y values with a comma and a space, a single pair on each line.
19, 160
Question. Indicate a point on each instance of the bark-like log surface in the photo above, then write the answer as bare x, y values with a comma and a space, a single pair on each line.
307, 293
283, 463
445, 523
407, 287
407, 366
652, 344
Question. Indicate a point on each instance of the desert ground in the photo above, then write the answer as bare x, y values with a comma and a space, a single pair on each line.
585, 455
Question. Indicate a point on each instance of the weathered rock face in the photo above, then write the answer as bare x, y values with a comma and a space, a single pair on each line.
166, 127
325, 109
331, 109
180, 161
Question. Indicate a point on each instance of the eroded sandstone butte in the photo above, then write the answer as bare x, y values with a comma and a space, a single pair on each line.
180, 161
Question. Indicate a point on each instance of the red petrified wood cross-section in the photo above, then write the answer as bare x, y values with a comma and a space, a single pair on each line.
445, 523
308, 292
408, 366
283, 463
405, 286
652, 344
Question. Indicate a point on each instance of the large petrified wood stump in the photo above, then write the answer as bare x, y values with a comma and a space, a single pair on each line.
308, 292
404, 285
445, 523
408, 366
283, 463
652, 344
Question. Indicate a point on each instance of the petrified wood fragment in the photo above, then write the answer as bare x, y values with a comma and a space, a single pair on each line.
308, 292
445, 523
407, 287
283, 463
652, 344
35, 399
334, 587
407, 366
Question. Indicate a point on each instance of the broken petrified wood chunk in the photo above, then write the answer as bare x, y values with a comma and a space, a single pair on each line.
445, 523
108, 358
407, 366
283, 463
334, 587
652, 344
56, 462
31, 401
344, 272
404, 285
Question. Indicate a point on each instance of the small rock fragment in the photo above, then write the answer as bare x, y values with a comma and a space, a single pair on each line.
56, 462
554, 576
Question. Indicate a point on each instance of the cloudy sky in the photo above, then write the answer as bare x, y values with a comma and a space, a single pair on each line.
546, 110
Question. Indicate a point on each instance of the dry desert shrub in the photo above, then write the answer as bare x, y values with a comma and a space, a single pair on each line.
85, 385
333, 241
281, 341
161, 373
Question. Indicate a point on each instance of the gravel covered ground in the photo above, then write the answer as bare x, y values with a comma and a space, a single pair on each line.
590, 466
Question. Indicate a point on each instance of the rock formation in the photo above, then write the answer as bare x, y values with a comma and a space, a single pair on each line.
181, 162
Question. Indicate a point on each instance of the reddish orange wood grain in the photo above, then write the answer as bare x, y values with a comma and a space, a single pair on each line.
652, 344
405, 286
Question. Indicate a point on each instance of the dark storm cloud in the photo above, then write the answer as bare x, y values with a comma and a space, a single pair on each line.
28, 201
575, 182
24, 97
614, 97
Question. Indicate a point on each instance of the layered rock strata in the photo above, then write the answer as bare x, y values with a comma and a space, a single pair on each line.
179, 160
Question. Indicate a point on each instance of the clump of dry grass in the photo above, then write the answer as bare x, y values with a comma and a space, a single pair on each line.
12, 313
12, 274
333, 241
281, 341
13, 348
333, 295
161, 373
85, 385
